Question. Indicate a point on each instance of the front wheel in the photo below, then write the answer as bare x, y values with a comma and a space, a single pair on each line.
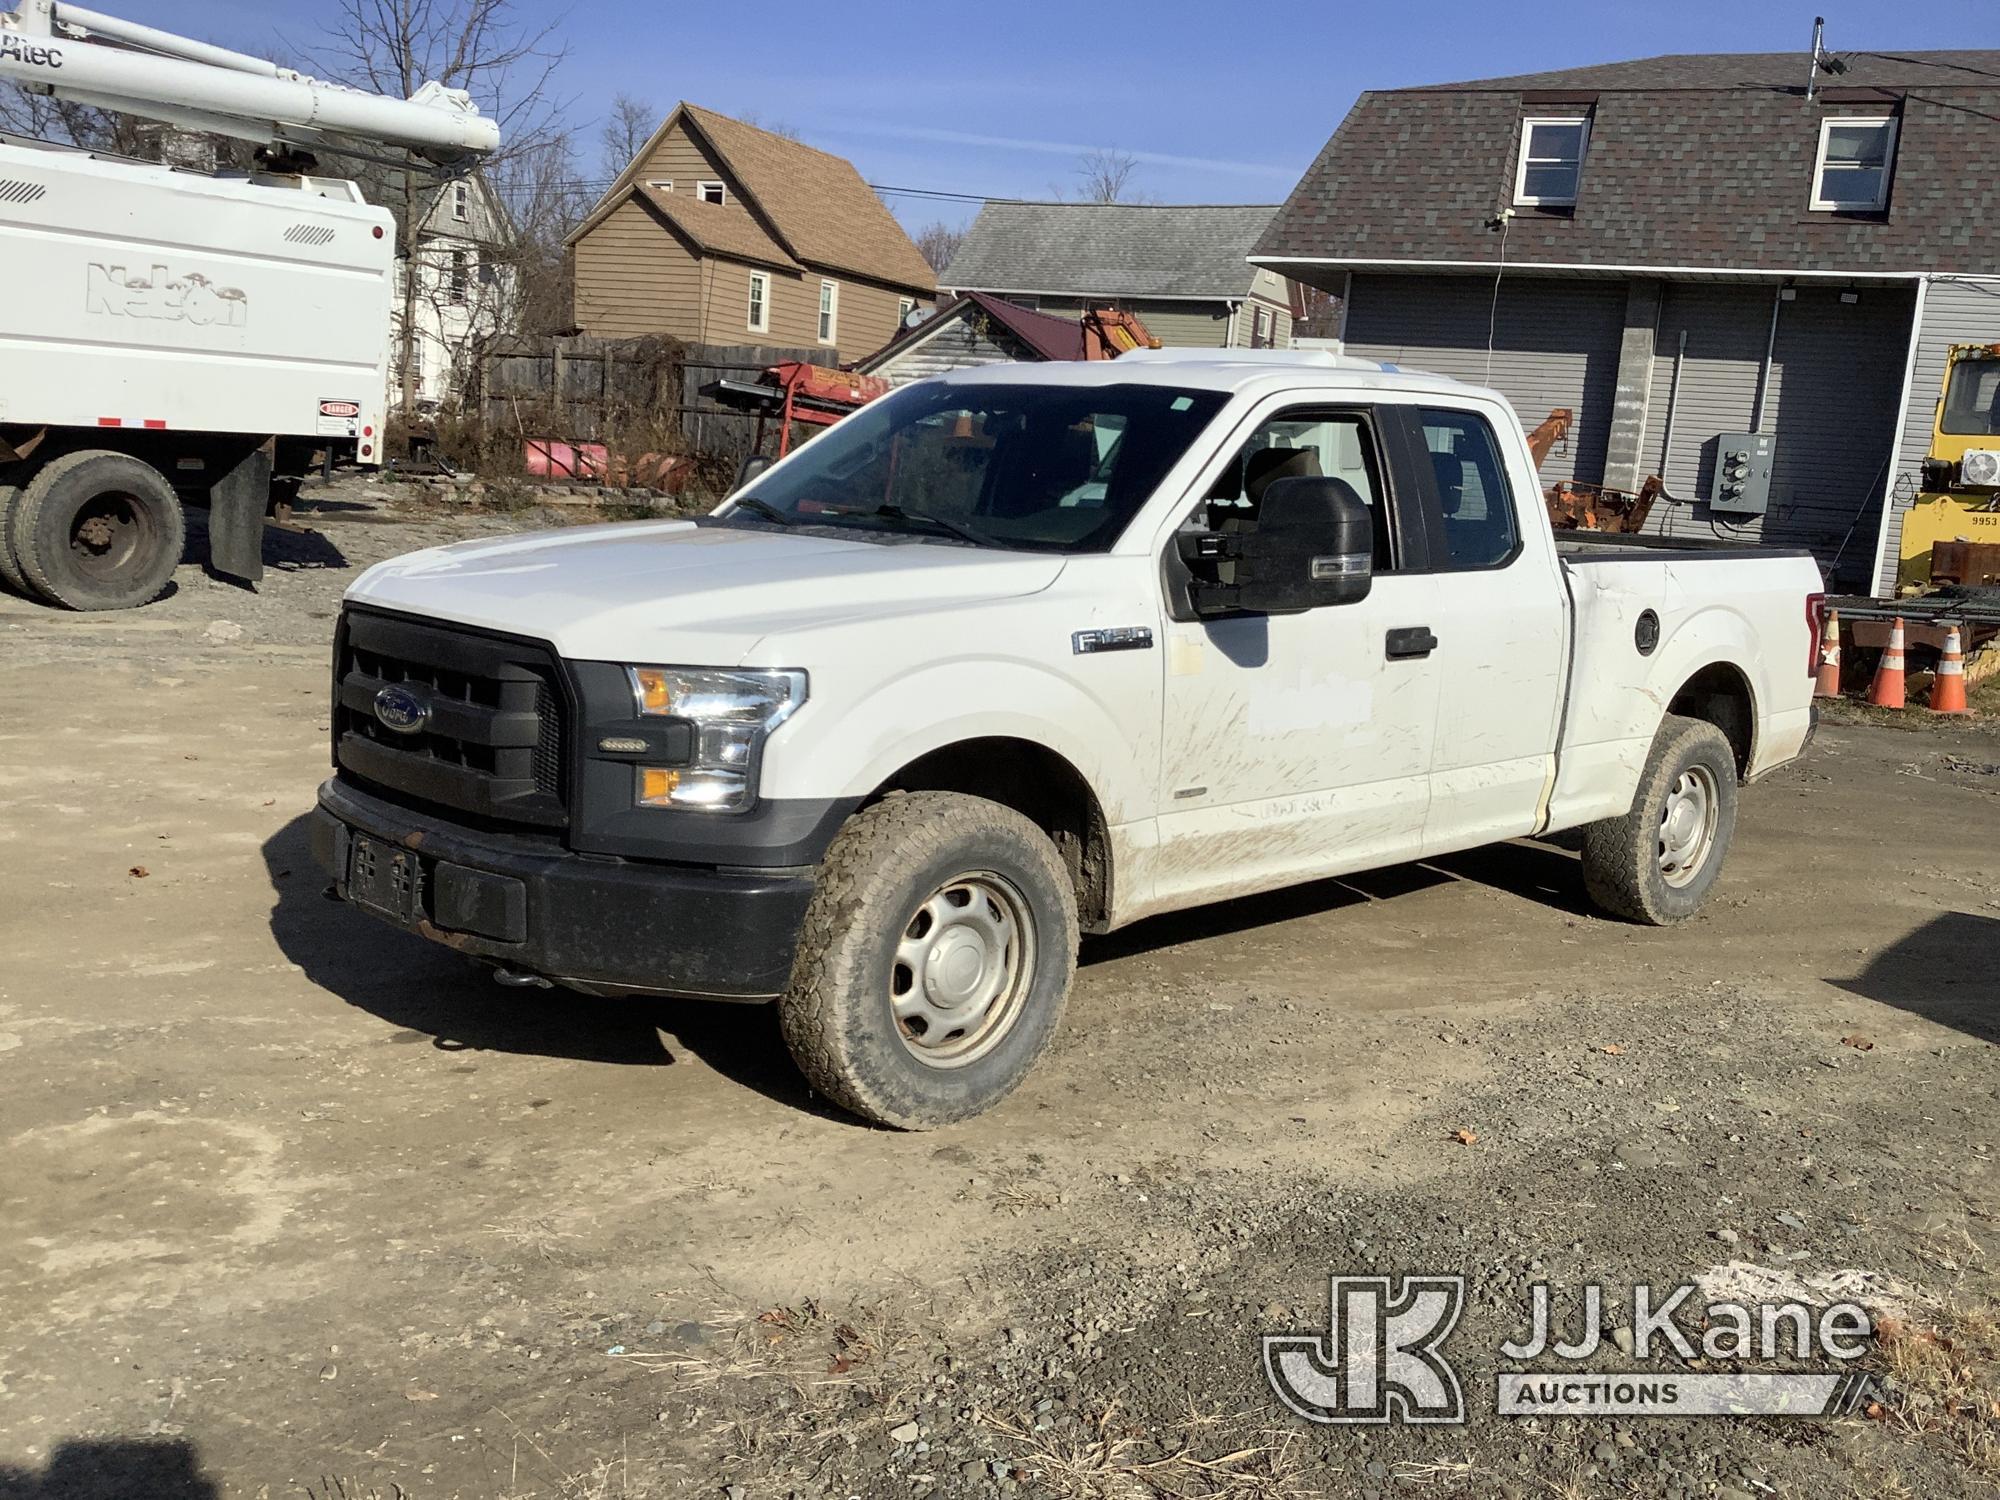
1656, 864
934, 962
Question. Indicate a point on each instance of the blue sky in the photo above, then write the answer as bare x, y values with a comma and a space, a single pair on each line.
1219, 102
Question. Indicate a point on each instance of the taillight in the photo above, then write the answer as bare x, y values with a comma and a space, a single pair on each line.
1815, 622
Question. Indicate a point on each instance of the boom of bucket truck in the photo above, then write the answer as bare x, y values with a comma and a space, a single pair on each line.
176, 337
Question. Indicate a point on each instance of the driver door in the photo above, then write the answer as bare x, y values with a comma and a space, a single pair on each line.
1297, 746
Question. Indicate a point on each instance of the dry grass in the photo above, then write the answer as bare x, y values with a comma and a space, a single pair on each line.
1206, 1457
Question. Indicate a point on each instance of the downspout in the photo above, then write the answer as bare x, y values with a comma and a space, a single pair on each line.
1667, 435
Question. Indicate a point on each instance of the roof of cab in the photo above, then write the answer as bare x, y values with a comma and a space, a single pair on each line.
1229, 370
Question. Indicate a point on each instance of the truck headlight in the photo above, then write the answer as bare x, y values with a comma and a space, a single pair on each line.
731, 714
1980, 466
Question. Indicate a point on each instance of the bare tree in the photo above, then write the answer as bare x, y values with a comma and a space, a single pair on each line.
1320, 313
506, 60
1106, 174
629, 126
939, 242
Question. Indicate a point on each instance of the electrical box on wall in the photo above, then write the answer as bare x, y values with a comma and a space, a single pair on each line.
1742, 473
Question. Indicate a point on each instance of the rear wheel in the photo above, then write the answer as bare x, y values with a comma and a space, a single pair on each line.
1656, 864
934, 962
10, 564
98, 530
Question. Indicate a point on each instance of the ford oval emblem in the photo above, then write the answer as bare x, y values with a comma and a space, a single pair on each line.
401, 710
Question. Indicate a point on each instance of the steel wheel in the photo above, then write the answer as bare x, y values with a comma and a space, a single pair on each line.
962, 969
1687, 825
109, 535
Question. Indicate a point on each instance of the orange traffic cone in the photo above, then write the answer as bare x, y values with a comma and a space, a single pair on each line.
1948, 687
1828, 684
1887, 689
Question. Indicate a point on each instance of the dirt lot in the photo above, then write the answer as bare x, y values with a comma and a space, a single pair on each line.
291, 1204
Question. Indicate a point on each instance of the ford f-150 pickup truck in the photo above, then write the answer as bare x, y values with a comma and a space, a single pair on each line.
1023, 652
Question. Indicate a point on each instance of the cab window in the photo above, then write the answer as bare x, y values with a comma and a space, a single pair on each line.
1480, 530
1336, 445
1972, 400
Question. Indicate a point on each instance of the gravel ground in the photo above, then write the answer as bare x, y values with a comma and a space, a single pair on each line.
296, 1205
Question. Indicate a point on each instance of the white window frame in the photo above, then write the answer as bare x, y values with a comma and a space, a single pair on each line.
721, 192
458, 274
757, 315
1826, 127
461, 202
904, 307
1522, 196
828, 326
664, 184
1263, 333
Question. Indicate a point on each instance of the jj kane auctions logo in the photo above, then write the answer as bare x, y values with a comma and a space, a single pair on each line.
1381, 1358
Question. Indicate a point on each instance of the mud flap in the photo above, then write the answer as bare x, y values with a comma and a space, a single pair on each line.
236, 505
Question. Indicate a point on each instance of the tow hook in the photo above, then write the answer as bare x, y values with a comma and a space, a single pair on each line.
514, 979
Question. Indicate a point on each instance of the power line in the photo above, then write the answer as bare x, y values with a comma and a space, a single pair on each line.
599, 184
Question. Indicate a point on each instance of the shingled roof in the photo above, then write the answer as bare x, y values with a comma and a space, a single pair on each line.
714, 228
1700, 162
815, 205
1110, 249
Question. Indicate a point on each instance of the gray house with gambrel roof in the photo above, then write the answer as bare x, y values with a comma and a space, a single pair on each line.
1679, 248
1183, 268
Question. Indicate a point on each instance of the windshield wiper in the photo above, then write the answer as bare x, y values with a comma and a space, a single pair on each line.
758, 507
923, 518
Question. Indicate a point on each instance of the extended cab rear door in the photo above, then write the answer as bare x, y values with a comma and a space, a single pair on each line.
1300, 745
1501, 620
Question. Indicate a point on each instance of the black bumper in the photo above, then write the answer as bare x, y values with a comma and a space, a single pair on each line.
592, 923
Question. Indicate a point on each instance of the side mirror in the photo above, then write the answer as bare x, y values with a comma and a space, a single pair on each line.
1313, 544
749, 469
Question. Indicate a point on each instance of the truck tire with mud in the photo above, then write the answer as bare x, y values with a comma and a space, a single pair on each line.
10, 565
97, 530
1656, 863
934, 962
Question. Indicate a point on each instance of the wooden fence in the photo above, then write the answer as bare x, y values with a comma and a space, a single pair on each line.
620, 391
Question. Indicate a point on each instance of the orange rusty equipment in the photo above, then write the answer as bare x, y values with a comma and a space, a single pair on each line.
1590, 507
1110, 331
1554, 429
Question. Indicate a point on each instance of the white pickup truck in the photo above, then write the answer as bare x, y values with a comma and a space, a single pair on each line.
1028, 651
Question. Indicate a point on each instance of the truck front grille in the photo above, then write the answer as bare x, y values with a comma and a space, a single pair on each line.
451, 717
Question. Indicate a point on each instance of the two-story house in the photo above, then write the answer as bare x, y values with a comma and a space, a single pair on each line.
720, 233
1680, 249
457, 281
1181, 267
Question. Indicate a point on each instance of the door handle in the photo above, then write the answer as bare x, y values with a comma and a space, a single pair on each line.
1410, 643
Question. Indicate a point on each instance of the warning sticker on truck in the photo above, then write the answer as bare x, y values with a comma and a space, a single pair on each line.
337, 418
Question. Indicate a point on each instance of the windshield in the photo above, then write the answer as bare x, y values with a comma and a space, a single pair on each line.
1059, 468
1972, 400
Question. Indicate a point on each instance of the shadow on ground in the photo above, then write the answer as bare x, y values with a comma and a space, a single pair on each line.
1947, 971
112, 1469
435, 996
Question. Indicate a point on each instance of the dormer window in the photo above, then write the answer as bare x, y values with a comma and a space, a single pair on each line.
1551, 165
1852, 172
710, 192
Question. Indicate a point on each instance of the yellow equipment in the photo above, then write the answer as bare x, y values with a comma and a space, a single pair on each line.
1961, 484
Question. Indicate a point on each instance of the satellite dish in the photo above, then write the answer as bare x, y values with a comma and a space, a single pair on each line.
916, 317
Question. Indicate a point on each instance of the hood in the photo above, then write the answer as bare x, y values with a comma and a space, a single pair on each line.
673, 591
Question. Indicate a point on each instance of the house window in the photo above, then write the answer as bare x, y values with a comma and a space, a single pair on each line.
1551, 161
829, 311
663, 184
461, 202
710, 192
461, 275
904, 307
1260, 329
1852, 171
760, 302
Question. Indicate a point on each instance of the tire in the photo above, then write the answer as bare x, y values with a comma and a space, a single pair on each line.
1642, 868
900, 1009
10, 564
97, 530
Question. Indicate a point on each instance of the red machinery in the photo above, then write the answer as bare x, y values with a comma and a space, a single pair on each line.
795, 391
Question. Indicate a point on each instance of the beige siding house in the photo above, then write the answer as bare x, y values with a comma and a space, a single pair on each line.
1183, 268
721, 233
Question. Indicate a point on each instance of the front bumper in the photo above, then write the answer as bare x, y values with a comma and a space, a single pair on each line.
592, 923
